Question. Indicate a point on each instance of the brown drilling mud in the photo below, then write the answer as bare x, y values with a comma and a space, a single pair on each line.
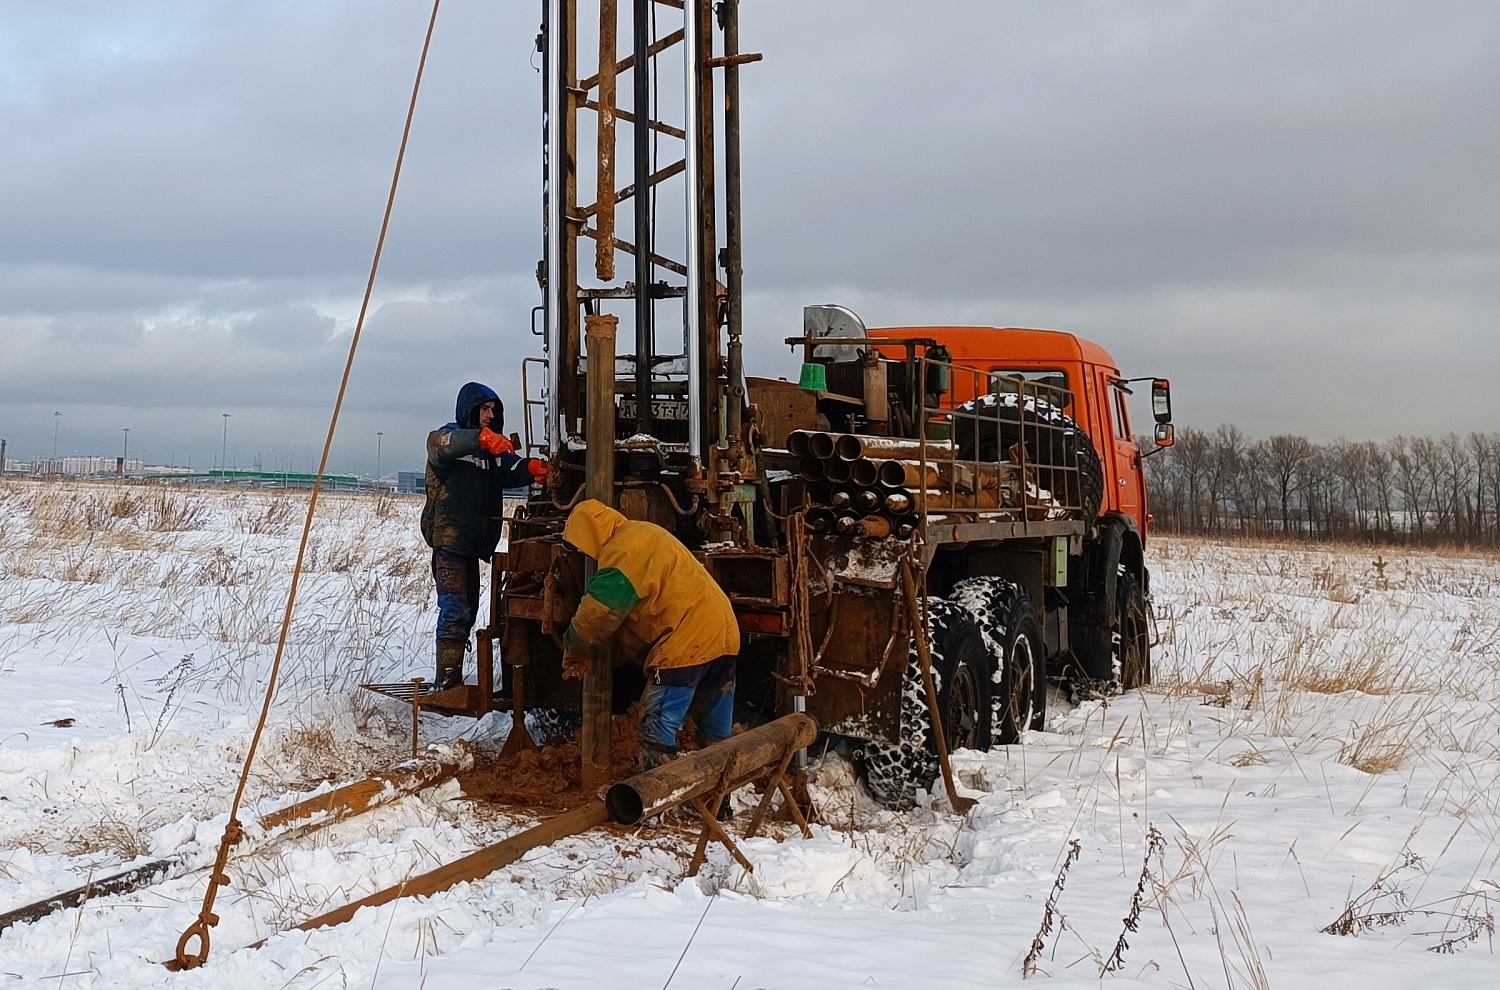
551, 777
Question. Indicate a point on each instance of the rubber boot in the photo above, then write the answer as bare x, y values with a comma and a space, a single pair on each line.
653, 755
450, 664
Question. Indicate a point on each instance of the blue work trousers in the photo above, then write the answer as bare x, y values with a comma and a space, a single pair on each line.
705, 689
457, 578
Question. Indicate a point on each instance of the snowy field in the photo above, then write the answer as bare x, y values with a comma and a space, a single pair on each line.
1309, 793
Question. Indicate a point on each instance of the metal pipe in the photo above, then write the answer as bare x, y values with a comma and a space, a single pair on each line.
554, 97
303, 817
876, 390
799, 443
811, 469
696, 299
474, 866
835, 470
644, 197
853, 446
864, 471
821, 521
599, 464
729, 12
604, 193
722, 766
956, 475
821, 445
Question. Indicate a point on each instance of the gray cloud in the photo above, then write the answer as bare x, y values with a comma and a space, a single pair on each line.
1289, 208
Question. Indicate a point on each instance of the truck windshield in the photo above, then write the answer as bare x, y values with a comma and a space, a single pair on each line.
1051, 377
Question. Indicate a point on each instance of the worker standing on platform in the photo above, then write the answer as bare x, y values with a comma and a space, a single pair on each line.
470, 464
664, 610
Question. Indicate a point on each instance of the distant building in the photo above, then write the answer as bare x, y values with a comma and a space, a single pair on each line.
411, 482
86, 467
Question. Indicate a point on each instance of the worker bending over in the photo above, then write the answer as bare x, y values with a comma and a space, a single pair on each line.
470, 464
663, 609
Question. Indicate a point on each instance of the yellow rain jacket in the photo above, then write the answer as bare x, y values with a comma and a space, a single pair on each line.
649, 590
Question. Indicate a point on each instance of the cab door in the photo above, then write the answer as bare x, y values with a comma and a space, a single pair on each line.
1125, 473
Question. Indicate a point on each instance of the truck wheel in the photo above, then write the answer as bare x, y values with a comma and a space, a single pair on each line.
1024, 674
1118, 659
1132, 647
1018, 684
1060, 445
961, 668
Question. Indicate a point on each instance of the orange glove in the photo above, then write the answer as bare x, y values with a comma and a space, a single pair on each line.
575, 665
493, 443
539, 469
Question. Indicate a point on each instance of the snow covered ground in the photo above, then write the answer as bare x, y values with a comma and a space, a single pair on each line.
1310, 791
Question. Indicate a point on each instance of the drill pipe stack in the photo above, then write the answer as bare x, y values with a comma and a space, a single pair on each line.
876, 487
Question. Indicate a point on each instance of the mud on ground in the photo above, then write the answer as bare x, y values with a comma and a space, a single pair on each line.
550, 777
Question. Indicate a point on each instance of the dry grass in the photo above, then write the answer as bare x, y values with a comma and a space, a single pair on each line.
1389, 739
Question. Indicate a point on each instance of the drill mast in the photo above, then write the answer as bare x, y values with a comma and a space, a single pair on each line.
680, 296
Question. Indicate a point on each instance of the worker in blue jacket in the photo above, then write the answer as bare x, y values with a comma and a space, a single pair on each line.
470, 464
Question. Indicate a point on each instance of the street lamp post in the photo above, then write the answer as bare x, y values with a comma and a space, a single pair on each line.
378, 435
55, 417
224, 448
125, 454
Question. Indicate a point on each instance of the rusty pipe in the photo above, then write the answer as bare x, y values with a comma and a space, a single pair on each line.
480, 863
876, 391
853, 446
721, 766
959, 475
821, 521
864, 472
406, 777
821, 445
798, 443
728, 764
299, 819
599, 333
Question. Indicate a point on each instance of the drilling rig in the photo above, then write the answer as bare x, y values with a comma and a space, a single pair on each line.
918, 536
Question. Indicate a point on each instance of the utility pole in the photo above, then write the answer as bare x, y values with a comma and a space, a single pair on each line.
125, 453
55, 417
378, 435
224, 446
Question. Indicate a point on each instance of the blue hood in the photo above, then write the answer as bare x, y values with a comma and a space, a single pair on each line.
470, 398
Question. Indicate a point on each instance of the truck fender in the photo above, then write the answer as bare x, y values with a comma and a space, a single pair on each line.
1118, 543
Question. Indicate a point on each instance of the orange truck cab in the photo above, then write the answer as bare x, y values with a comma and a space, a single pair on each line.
1084, 369
1097, 403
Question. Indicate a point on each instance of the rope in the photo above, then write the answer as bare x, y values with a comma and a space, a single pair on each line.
234, 831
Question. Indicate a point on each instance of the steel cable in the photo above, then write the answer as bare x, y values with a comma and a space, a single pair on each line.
234, 831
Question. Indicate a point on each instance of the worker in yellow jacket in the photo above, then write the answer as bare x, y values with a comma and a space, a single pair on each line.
651, 594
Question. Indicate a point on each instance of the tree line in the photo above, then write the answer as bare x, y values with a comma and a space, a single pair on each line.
1420, 490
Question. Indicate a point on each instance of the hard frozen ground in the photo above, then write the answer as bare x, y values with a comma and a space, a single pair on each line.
1319, 751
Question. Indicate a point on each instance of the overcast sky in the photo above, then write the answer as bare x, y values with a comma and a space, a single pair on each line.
1292, 209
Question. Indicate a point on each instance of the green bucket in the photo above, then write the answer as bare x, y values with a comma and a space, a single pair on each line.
814, 378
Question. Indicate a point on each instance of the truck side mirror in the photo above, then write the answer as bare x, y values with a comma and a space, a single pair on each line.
1165, 435
1161, 404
